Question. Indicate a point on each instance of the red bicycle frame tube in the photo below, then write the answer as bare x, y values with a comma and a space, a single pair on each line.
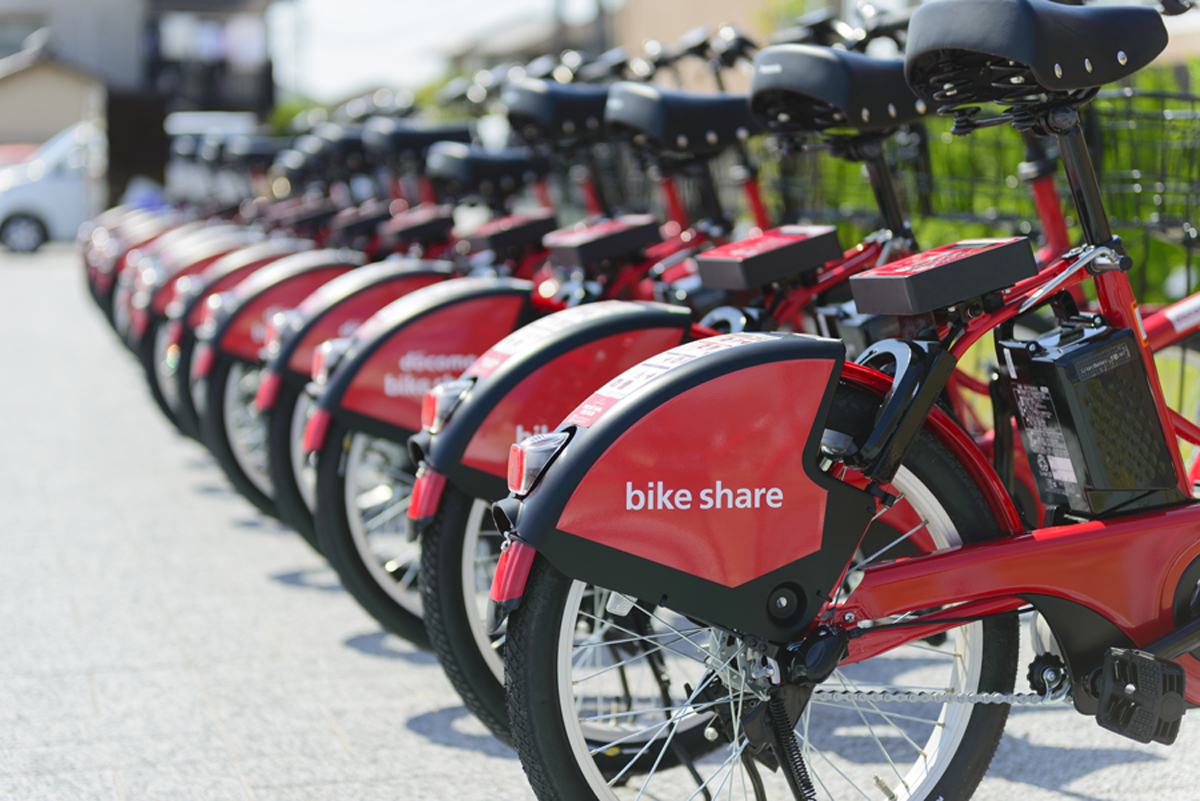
754, 200
625, 283
1054, 222
1126, 569
542, 192
425, 191
675, 210
591, 199
855, 260
1173, 323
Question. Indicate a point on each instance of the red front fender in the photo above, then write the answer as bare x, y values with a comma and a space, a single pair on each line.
512, 572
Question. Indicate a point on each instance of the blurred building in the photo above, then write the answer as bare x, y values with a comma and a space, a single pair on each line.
525, 39
127, 63
42, 93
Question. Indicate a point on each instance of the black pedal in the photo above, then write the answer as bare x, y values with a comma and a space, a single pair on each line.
1141, 697
512, 231
791, 250
419, 223
943, 276
580, 246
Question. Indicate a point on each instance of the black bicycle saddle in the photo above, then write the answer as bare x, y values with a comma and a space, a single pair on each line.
546, 110
809, 88
470, 168
676, 121
1065, 48
411, 138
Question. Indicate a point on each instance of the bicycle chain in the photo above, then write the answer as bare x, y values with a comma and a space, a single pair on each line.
1014, 699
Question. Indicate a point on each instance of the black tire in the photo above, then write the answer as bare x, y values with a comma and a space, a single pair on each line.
151, 355
104, 298
961, 741
23, 233
387, 588
187, 415
454, 611
282, 421
455, 625
234, 431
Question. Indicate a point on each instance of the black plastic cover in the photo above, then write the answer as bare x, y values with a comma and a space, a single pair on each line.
626, 235
419, 223
943, 276
774, 255
513, 230
858, 331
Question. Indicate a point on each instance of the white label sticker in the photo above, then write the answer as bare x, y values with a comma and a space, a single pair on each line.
1184, 315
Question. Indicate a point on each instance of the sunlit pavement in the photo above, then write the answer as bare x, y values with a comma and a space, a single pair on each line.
160, 639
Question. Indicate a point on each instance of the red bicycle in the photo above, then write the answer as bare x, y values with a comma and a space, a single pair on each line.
741, 644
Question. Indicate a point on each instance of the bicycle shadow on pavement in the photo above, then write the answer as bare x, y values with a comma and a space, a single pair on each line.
439, 727
1055, 768
383, 644
321, 579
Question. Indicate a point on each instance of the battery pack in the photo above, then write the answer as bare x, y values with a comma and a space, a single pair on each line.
580, 246
1088, 420
791, 250
419, 223
943, 276
512, 231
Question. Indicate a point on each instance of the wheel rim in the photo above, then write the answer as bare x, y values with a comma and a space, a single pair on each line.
304, 470
378, 487
245, 428
1179, 370
198, 389
481, 554
853, 749
122, 320
166, 365
23, 234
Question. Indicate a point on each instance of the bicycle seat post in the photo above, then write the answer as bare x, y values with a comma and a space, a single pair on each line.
1081, 177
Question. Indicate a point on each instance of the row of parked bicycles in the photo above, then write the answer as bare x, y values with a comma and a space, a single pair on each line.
689, 513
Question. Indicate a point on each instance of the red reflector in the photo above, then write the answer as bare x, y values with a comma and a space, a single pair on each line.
268, 390
174, 332
426, 494
205, 356
315, 431
512, 571
318, 363
140, 319
428, 411
516, 468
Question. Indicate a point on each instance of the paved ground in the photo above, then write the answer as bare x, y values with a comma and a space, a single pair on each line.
161, 640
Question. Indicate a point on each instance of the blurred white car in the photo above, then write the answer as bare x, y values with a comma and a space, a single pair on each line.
53, 191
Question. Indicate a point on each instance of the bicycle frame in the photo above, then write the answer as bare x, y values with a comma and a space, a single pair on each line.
1077, 576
